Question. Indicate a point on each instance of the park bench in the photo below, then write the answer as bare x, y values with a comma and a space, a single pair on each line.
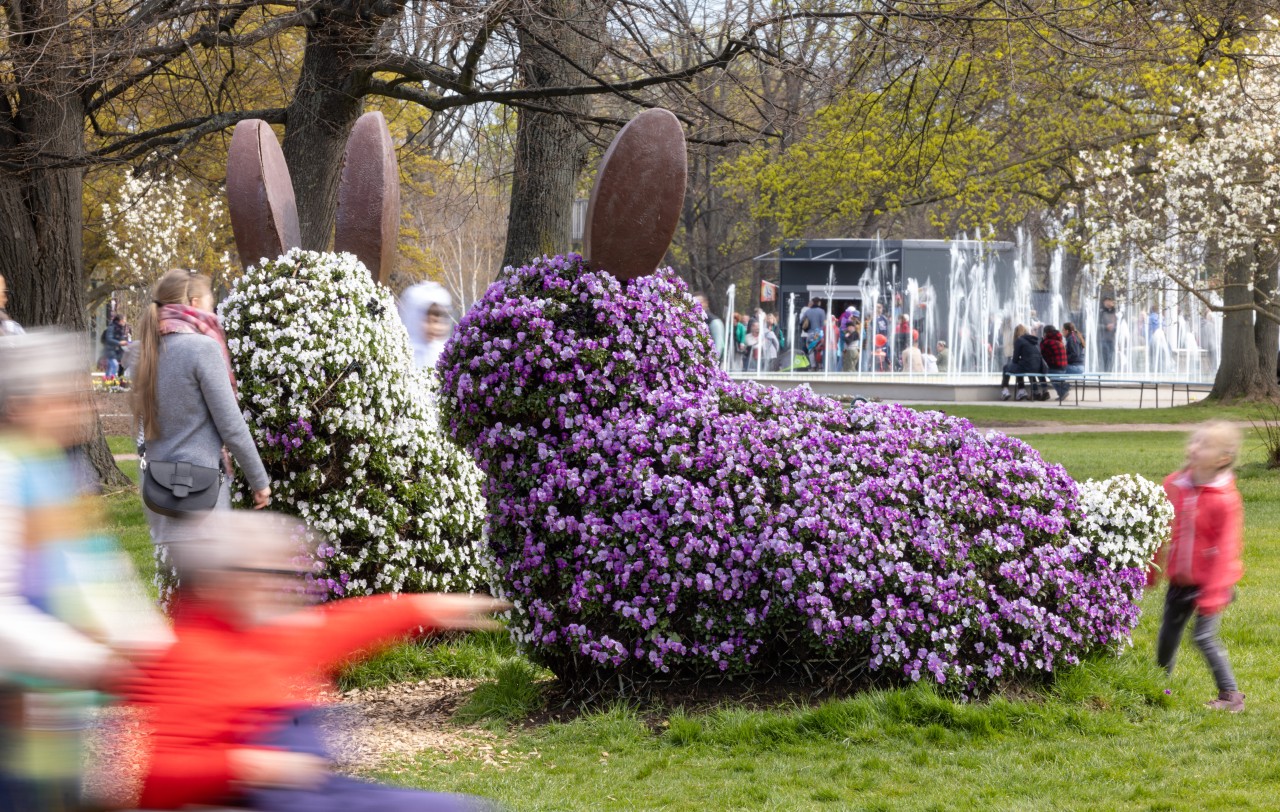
1082, 382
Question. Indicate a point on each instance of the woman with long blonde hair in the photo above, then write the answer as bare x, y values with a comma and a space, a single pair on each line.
184, 393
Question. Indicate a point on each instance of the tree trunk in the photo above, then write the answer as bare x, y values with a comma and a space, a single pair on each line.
1240, 372
550, 151
1266, 333
41, 205
325, 105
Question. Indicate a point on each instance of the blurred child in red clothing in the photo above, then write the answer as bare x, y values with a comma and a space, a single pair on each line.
229, 707
1202, 557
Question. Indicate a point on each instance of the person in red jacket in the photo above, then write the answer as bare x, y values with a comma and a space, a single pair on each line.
1202, 557
229, 708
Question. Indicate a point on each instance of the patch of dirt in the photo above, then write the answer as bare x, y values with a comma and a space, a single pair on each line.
380, 728
368, 728
115, 412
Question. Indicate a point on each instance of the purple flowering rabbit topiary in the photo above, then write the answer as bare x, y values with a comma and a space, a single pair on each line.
650, 516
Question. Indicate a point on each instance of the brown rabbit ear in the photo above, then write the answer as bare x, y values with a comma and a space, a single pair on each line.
264, 214
369, 197
635, 203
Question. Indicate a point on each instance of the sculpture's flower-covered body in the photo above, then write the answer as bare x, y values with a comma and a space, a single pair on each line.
650, 515
349, 430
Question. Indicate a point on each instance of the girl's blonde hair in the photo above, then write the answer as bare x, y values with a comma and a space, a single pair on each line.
1224, 436
1019, 331
175, 287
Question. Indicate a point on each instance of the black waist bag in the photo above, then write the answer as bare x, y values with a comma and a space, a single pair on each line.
179, 489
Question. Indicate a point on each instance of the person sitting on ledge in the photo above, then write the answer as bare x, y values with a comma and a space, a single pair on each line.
229, 706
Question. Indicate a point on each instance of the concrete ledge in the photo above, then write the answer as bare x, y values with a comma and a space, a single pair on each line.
900, 388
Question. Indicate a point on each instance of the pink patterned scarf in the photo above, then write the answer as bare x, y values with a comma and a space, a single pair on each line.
179, 318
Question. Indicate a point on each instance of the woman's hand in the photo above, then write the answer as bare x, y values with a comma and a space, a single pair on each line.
261, 498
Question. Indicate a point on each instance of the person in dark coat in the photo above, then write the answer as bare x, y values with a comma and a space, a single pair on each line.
1054, 351
1027, 362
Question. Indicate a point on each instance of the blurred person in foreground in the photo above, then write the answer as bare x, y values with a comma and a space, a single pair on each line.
8, 327
1202, 558
71, 607
231, 706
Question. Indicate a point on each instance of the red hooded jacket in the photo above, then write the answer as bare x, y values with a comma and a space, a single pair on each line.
1207, 538
220, 687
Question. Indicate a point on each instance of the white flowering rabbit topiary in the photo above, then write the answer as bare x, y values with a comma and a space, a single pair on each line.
344, 421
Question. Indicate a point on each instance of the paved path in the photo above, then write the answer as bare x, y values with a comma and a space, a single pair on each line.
1060, 428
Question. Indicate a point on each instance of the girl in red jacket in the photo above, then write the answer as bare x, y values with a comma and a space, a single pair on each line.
1202, 557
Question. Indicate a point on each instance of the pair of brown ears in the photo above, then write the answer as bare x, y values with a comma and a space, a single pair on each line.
631, 217
264, 212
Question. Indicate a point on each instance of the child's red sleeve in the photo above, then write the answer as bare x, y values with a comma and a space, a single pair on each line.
1226, 567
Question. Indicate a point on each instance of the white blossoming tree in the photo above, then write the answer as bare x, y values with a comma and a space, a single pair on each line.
154, 226
1201, 207
348, 428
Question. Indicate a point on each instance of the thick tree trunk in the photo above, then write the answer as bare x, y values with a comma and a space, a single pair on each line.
1241, 373
1266, 333
549, 149
325, 105
41, 205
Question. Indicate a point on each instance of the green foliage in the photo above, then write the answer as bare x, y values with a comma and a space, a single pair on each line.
984, 134
479, 655
515, 693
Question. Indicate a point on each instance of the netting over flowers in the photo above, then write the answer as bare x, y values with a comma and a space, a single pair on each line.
349, 430
648, 515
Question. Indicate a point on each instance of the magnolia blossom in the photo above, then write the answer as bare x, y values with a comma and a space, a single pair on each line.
348, 428
1214, 184
153, 228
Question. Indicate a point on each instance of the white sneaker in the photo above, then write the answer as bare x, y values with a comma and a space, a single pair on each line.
1022, 395
1004, 393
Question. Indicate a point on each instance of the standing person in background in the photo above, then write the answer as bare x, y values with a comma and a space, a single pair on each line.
774, 327
912, 358
113, 346
943, 356
813, 326
882, 321
715, 326
739, 341
1107, 325
424, 309
184, 398
1202, 557
851, 338
8, 327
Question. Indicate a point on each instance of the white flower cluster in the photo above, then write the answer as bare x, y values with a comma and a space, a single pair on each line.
1212, 184
154, 228
1126, 519
348, 428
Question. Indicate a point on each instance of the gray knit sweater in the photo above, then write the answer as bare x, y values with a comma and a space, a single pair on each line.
197, 412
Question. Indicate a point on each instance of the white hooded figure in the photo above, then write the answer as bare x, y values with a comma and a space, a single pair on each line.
424, 309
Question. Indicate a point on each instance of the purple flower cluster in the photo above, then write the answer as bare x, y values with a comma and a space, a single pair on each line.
650, 515
291, 438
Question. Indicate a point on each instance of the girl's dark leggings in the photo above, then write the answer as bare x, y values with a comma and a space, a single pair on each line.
1179, 606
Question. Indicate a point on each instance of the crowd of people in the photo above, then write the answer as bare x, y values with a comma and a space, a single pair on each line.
823, 342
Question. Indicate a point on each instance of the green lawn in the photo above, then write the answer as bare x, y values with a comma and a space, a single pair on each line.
1018, 415
1105, 737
